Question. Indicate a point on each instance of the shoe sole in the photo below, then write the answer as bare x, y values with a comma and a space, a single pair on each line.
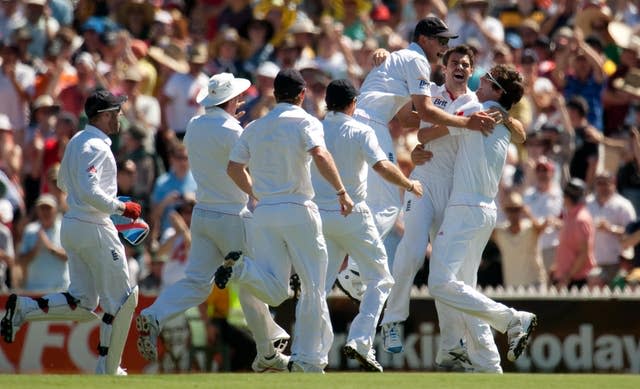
351, 353
524, 340
146, 348
6, 325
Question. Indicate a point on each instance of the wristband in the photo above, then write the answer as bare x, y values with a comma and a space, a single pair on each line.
410, 188
341, 192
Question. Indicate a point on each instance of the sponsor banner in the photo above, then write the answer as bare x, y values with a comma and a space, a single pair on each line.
601, 335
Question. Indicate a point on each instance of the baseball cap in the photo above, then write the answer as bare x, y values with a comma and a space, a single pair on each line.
101, 100
339, 94
433, 26
288, 84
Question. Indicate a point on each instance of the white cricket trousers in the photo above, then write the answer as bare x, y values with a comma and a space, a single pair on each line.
213, 236
98, 267
462, 236
358, 236
289, 234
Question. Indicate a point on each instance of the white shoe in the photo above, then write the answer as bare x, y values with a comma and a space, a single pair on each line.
148, 331
518, 332
304, 367
12, 319
391, 340
455, 360
275, 364
368, 362
101, 367
350, 283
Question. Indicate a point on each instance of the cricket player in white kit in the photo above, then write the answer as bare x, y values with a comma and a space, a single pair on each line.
217, 227
404, 77
422, 220
97, 263
354, 147
277, 149
470, 215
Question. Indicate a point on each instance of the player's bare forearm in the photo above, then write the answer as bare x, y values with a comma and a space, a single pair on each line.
515, 126
430, 113
391, 173
240, 176
427, 134
408, 117
327, 167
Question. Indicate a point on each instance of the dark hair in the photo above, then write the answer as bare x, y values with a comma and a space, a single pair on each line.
575, 190
460, 49
580, 104
509, 78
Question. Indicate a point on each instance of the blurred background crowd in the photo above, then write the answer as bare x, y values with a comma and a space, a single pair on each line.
580, 61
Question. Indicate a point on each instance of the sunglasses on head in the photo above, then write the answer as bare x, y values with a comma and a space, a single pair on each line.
495, 82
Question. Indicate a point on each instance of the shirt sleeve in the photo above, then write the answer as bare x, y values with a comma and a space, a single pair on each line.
240, 151
371, 149
418, 75
91, 161
312, 133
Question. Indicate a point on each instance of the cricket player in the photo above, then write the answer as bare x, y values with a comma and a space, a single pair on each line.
422, 220
470, 215
277, 149
98, 267
217, 227
354, 147
404, 77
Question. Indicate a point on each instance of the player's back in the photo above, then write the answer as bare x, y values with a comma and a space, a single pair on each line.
353, 146
278, 145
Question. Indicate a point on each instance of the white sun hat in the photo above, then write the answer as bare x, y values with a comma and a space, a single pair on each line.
222, 88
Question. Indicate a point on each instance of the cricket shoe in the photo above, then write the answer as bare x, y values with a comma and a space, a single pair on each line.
391, 338
350, 283
12, 319
101, 368
454, 360
224, 272
518, 332
303, 367
368, 362
148, 331
276, 363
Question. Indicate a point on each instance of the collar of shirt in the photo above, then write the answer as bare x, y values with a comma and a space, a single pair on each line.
288, 106
217, 112
416, 47
98, 133
337, 116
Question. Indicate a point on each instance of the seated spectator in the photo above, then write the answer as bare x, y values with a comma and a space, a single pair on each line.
41, 254
611, 214
518, 240
575, 256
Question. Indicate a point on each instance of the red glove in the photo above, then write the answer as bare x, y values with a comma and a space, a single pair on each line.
131, 210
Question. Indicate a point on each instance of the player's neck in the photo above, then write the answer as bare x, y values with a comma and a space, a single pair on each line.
455, 90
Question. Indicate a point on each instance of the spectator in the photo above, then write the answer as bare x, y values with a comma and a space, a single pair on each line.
176, 242
17, 87
575, 255
147, 166
227, 53
11, 18
10, 150
544, 201
41, 254
140, 108
611, 214
178, 98
52, 184
72, 97
66, 125
126, 178
264, 101
258, 34
40, 24
7, 256
629, 173
518, 240
585, 158
170, 187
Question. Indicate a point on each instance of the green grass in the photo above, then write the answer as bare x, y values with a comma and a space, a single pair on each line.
390, 380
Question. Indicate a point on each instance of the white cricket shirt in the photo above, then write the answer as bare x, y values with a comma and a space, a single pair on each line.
353, 146
276, 150
479, 163
209, 141
389, 86
88, 176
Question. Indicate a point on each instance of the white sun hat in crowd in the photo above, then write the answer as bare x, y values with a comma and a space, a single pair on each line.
222, 88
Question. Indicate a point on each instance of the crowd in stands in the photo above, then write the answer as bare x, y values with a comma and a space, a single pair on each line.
580, 61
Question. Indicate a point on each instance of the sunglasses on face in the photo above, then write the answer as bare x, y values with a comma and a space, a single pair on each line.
495, 82
442, 41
